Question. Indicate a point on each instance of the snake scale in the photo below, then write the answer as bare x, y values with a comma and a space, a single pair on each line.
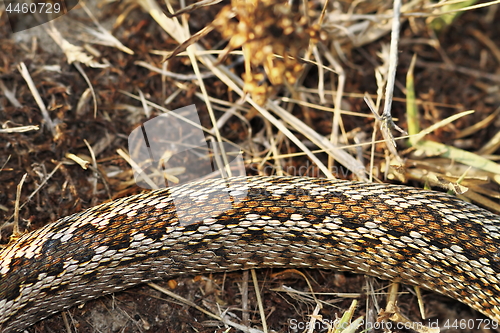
420, 237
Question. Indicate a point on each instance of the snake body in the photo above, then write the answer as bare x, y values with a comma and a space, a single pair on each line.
420, 237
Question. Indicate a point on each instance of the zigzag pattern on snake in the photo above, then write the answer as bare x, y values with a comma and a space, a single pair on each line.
423, 238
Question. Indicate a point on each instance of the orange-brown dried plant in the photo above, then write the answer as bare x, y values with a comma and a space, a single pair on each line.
272, 36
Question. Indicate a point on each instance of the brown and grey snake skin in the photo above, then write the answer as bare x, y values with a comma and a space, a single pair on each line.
423, 238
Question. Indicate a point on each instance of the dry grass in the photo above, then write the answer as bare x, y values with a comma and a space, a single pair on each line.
285, 84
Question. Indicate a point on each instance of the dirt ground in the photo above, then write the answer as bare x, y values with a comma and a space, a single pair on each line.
97, 103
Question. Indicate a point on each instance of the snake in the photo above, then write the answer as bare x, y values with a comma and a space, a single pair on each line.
394, 232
